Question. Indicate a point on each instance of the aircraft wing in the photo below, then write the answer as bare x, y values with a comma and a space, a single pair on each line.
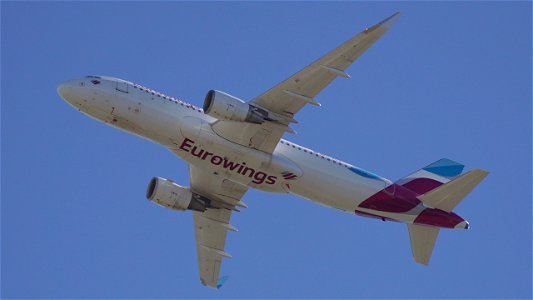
288, 97
211, 226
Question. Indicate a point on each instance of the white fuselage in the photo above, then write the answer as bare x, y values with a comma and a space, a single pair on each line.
186, 131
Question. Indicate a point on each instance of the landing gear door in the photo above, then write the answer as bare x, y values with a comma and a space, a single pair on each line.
122, 87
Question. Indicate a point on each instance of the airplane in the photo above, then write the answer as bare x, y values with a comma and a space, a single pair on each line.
232, 145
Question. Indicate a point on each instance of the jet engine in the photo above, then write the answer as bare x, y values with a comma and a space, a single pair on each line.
167, 193
223, 106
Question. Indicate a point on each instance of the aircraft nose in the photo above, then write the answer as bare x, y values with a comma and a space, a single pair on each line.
65, 91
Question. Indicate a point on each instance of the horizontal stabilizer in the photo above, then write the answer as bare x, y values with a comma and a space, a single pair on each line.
447, 196
422, 241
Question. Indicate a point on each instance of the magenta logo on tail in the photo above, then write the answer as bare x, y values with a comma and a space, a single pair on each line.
432, 176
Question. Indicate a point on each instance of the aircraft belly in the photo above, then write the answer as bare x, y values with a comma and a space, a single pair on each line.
202, 147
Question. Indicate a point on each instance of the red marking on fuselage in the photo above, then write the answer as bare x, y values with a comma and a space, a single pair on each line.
394, 198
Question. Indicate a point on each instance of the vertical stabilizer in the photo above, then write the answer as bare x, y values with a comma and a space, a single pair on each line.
432, 176
422, 241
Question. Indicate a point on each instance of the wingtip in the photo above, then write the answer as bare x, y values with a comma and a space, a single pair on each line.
391, 20
221, 281
385, 24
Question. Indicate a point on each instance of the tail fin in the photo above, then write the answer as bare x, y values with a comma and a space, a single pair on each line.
447, 196
432, 176
422, 241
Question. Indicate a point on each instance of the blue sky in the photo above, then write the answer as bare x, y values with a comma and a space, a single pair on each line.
449, 80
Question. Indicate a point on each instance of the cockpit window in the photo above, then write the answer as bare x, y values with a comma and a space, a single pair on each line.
92, 76
95, 81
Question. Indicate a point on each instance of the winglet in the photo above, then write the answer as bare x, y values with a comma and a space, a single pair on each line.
392, 19
221, 281
387, 23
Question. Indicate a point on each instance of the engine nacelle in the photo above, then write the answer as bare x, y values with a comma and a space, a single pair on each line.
169, 194
223, 106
